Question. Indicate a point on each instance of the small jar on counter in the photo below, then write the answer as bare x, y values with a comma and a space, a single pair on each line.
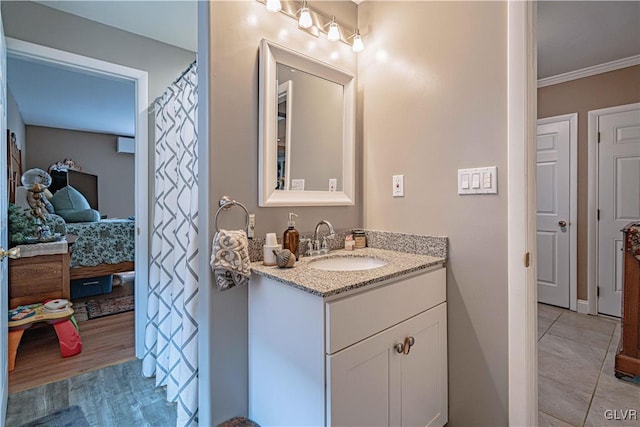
360, 238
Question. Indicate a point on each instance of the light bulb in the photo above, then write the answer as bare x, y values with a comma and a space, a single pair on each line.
305, 18
333, 34
274, 5
357, 46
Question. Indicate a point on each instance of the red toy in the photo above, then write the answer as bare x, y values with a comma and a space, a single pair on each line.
56, 312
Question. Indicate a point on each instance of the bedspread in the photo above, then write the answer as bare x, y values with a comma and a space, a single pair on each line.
109, 241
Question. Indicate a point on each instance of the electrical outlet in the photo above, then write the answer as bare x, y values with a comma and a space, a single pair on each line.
252, 226
333, 183
297, 185
398, 186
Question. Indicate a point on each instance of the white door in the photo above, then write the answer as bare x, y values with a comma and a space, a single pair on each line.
4, 198
554, 209
618, 200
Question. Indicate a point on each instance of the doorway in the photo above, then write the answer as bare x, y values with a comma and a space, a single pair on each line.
614, 199
44, 55
556, 196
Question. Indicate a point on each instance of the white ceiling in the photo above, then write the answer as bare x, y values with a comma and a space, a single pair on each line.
52, 96
573, 35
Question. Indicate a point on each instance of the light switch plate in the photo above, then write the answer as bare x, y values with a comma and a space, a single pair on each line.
478, 180
398, 185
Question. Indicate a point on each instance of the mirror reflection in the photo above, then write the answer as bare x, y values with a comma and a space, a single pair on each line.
310, 132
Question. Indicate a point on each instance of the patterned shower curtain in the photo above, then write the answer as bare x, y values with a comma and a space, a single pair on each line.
171, 336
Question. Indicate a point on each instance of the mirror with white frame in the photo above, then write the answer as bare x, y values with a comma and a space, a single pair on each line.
306, 130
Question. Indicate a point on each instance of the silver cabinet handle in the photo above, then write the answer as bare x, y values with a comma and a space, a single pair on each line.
405, 347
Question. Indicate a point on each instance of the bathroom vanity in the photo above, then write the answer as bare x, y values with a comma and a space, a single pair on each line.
364, 347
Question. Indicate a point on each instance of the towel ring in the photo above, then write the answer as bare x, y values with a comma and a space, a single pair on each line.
226, 203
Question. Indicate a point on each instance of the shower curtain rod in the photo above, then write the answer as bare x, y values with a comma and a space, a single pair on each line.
185, 71
193, 64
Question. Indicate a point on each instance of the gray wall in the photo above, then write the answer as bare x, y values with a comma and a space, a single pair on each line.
14, 120
236, 30
16, 124
234, 114
435, 104
96, 154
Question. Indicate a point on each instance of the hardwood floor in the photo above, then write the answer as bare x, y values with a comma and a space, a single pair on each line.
106, 341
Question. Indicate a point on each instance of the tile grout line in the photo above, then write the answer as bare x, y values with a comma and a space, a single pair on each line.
593, 394
611, 336
578, 327
547, 330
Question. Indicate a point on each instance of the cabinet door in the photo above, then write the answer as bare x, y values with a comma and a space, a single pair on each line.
423, 372
363, 384
371, 384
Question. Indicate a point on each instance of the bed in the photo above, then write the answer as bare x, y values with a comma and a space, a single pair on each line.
101, 248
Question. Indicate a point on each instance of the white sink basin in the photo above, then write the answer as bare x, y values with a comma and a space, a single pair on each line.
347, 263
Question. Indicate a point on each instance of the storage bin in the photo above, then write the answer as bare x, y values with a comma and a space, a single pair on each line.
92, 286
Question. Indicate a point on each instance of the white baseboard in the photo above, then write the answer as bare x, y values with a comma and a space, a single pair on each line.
583, 306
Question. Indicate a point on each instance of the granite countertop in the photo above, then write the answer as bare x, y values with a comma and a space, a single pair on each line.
329, 283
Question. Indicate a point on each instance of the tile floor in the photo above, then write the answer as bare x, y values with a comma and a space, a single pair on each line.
576, 382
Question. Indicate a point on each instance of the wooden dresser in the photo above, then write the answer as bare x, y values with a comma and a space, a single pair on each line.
41, 272
628, 356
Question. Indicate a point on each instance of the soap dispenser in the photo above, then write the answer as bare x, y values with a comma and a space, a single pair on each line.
291, 237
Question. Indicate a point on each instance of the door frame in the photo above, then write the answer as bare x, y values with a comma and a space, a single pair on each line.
4, 232
521, 213
572, 118
26, 50
592, 200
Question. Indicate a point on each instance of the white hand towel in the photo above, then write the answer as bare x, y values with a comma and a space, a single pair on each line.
230, 258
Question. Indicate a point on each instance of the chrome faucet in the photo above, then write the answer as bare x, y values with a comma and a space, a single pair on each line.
324, 248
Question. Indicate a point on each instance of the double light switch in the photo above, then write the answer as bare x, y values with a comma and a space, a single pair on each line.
478, 180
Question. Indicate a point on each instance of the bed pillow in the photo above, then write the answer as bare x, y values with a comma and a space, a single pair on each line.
68, 198
84, 215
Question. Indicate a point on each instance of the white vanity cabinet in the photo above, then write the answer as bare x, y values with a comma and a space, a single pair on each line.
375, 357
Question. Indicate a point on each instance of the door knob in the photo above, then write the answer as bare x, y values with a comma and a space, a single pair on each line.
11, 253
399, 347
562, 223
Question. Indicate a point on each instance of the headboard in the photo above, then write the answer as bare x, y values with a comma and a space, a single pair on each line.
14, 166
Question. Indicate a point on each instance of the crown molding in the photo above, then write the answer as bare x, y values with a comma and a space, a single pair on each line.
590, 71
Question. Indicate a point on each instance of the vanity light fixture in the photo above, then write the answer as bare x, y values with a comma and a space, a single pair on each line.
334, 33
314, 22
358, 45
274, 5
305, 16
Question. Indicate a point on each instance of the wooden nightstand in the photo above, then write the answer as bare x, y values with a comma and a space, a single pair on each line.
41, 272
